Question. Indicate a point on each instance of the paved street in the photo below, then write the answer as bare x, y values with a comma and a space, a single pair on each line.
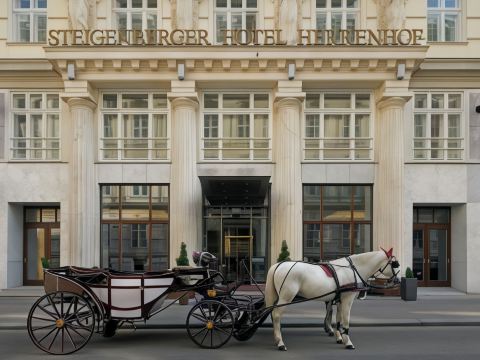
372, 343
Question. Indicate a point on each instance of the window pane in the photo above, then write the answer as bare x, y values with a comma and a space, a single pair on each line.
19, 101
451, 3
442, 216
311, 242
151, 21
420, 101
211, 101
362, 203
454, 101
221, 25
437, 101
362, 125
251, 21
337, 101
19, 125
336, 125
433, 3
437, 125
135, 101
134, 247
110, 202
336, 203
159, 202
136, 130
311, 202
312, 126
110, 125
362, 101
336, 241
425, 215
336, 3
36, 101
159, 247
352, 3
236, 125
52, 101
236, 3
159, 125
121, 21
110, 246
159, 101
454, 125
121, 3
32, 215
221, 3
420, 125
137, 4
362, 238
321, 3
22, 4
433, 27
40, 27
135, 206
312, 101
110, 101
236, 101
48, 215
260, 101
236, 21
152, 4
450, 27
53, 126
23, 27
137, 21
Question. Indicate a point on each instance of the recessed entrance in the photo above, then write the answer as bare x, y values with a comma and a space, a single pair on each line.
236, 224
431, 246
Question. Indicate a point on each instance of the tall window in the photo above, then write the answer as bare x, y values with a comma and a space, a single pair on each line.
236, 127
443, 20
337, 221
437, 128
30, 20
338, 126
134, 127
36, 126
134, 226
337, 15
234, 15
135, 14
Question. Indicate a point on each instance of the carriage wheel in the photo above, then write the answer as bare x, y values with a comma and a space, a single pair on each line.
210, 324
61, 323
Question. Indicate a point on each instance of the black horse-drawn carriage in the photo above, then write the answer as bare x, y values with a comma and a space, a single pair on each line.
81, 301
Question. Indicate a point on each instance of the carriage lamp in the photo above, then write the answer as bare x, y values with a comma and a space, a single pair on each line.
212, 293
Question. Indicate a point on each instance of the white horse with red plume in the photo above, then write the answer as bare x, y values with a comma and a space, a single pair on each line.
339, 280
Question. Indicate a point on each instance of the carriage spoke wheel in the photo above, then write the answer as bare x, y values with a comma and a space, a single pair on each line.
210, 324
61, 323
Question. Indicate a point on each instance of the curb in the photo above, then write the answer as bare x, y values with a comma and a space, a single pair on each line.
294, 325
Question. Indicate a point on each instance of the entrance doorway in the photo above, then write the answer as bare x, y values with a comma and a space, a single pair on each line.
431, 246
237, 250
41, 240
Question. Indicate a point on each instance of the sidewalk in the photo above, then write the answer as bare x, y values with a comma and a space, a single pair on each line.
434, 307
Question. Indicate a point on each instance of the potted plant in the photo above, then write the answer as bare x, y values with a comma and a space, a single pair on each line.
182, 260
408, 286
284, 253
45, 262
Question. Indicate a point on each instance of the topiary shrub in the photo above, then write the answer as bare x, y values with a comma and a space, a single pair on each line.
409, 273
182, 260
284, 253
45, 262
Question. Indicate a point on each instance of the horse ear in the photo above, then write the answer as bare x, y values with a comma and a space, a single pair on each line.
388, 253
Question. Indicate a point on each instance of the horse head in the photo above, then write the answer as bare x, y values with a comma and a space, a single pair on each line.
389, 268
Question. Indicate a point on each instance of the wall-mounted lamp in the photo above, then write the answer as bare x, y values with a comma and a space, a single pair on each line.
181, 71
291, 71
71, 71
400, 71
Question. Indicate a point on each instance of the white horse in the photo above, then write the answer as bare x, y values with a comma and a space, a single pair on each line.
289, 279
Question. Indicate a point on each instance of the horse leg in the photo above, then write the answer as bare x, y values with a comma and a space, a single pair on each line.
285, 298
327, 323
338, 331
347, 301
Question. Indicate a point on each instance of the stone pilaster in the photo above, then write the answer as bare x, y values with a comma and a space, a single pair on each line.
83, 190
388, 190
185, 189
287, 175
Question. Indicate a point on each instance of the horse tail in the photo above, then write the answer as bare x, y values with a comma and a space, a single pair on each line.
271, 295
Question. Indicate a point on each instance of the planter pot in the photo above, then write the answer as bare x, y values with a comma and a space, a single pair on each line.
408, 289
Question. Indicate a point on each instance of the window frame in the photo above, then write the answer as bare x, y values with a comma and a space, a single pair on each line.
321, 111
442, 11
129, 10
445, 111
32, 12
220, 111
119, 111
329, 10
28, 111
229, 11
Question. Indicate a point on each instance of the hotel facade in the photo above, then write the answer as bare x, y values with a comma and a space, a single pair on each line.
130, 126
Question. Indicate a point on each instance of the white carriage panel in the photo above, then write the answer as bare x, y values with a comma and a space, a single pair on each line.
158, 282
102, 293
152, 294
127, 282
126, 314
126, 298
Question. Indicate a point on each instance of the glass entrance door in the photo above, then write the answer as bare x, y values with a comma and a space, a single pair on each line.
238, 255
431, 259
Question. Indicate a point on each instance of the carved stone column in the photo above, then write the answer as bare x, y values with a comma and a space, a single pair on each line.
388, 190
184, 14
185, 189
288, 16
287, 174
83, 189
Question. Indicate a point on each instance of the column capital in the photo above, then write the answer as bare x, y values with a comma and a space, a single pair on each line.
290, 89
393, 89
392, 102
183, 89
79, 89
183, 101
79, 102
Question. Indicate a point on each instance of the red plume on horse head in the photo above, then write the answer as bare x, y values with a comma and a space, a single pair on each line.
389, 253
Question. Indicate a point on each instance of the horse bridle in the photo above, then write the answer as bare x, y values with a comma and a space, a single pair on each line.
392, 280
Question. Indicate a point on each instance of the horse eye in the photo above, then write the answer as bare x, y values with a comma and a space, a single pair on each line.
395, 264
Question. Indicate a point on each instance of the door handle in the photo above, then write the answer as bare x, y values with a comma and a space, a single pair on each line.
25, 260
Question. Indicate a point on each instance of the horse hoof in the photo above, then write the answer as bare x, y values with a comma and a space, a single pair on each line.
350, 347
282, 348
339, 341
331, 333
